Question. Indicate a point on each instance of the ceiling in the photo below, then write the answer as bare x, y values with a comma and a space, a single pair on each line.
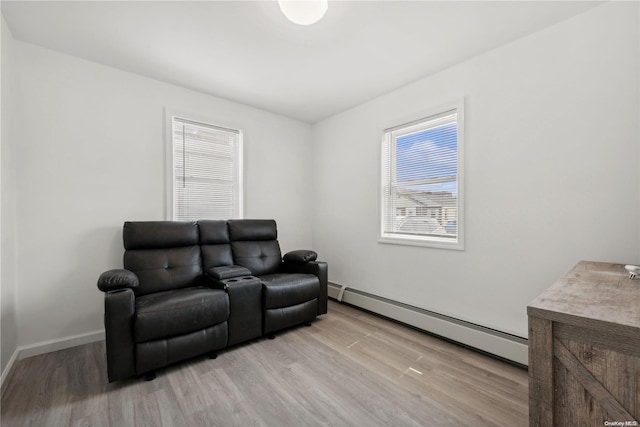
248, 52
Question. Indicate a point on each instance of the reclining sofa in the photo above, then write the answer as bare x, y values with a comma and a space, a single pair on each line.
193, 288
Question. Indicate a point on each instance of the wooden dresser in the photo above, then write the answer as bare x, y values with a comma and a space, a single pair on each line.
584, 349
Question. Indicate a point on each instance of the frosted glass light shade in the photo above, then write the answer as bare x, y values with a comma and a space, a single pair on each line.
303, 12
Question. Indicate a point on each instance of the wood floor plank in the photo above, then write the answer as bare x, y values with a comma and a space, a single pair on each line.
350, 368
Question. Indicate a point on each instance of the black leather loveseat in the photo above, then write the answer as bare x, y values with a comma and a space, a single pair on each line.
192, 288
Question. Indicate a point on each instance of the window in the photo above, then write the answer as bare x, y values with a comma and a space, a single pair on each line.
207, 171
421, 188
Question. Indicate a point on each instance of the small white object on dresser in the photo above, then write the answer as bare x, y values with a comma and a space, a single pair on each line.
634, 270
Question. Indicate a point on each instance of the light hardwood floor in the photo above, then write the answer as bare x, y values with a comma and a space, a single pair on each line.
349, 368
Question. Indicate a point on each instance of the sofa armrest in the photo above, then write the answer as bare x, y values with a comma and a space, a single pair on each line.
119, 311
217, 277
300, 256
318, 269
227, 272
210, 282
117, 279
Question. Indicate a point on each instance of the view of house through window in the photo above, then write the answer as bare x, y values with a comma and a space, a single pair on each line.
421, 186
207, 166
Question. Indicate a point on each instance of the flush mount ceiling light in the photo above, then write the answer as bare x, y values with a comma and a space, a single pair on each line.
303, 12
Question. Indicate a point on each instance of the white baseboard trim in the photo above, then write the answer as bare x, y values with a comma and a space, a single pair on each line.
479, 337
8, 370
22, 352
59, 344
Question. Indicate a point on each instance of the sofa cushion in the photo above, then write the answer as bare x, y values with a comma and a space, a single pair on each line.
214, 240
260, 257
283, 289
159, 234
164, 269
213, 232
216, 256
178, 312
252, 229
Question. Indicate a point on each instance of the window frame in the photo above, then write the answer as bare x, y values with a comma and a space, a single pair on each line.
405, 122
170, 173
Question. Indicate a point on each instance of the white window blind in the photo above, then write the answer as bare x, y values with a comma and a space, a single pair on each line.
207, 171
421, 191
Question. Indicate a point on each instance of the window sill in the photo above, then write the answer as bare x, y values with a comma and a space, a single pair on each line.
428, 242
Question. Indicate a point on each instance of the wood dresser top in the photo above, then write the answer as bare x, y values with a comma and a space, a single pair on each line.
594, 294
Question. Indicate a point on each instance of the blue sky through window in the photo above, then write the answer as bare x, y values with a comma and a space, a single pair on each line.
428, 154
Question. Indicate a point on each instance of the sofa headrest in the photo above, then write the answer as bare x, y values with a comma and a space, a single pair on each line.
213, 232
159, 234
252, 229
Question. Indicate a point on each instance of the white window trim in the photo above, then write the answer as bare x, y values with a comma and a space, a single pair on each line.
426, 241
169, 160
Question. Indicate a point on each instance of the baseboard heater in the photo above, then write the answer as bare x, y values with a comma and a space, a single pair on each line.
503, 345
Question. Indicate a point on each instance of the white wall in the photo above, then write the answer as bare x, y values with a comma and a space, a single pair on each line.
551, 174
9, 329
90, 155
